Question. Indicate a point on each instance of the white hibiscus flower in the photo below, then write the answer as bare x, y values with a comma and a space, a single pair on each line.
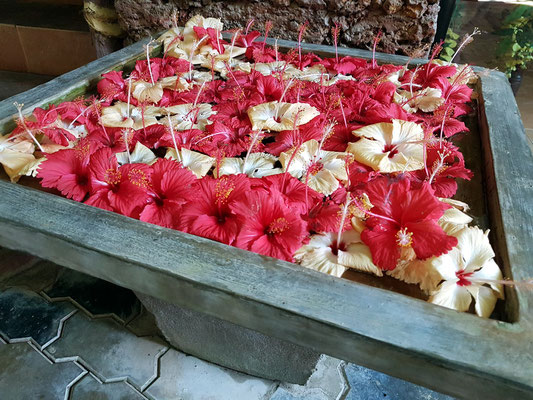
390, 147
469, 272
324, 255
321, 170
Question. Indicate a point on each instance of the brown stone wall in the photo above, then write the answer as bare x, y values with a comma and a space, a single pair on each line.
408, 25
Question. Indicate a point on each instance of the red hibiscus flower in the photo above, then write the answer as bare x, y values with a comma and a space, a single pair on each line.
296, 194
68, 171
170, 189
269, 227
444, 164
113, 87
210, 214
121, 189
404, 218
49, 123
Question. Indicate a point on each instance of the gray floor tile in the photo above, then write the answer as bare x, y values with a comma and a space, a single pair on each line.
185, 377
25, 314
25, 374
368, 384
97, 296
327, 382
89, 388
108, 350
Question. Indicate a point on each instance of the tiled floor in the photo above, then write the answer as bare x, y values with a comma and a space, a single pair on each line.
65, 335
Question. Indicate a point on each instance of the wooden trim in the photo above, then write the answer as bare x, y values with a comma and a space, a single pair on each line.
452, 352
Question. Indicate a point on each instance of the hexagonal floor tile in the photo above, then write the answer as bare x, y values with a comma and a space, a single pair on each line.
369, 384
24, 315
184, 377
26, 374
108, 350
89, 388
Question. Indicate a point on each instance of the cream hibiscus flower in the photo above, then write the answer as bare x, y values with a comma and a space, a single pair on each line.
189, 116
202, 22
454, 219
272, 68
147, 92
390, 147
469, 272
120, 115
278, 116
321, 170
324, 253
256, 165
140, 154
198, 163
426, 100
15, 156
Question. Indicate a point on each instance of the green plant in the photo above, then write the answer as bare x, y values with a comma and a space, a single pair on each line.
449, 45
516, 48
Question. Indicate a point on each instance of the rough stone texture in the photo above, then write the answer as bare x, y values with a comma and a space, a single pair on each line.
188, 378
231, 345
408, 26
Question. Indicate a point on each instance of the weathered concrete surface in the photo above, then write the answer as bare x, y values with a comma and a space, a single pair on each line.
408, 26
231, 345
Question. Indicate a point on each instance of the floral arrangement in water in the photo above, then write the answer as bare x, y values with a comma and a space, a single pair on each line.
333, 163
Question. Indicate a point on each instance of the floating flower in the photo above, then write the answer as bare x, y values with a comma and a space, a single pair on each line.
198, 163
120, 115
321, 170
426, 100
390, 147
257, 165
276, 116
15, 156
269, 227
170, 188
189, 116
141, 154
469, 272
325, 253
404, 221
210, 214
147, 92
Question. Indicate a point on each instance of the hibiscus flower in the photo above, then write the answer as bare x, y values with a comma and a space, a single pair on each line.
390, 147
404, 220
68, 171
269, 227
469, 272
325, 254
276, 116
210, 214
114, 188
15, 156
319, 169
170, 188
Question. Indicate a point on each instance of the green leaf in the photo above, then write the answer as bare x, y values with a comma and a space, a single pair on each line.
516, 47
